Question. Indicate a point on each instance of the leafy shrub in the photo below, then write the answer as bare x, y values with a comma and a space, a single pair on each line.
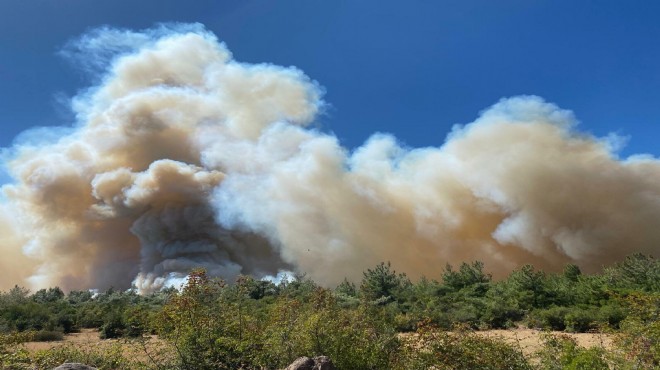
47, 336
581, 320
561, 352
353, 339
11, 355
553, 318
66, 321
113, 326
460, 350
464, 314
89, 316
105, 358
500, 313
640, 331
206, 334
573, 319
611, 315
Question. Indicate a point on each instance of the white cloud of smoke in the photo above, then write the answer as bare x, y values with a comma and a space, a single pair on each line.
183, 157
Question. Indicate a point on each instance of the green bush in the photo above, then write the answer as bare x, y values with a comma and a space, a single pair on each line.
553, 318
500, 314
353, 339
611, 315
106, 358
581, 320
460, 350
47, 336
206, 333
573, 319
12, 356
561, 352
639, 338
113, 327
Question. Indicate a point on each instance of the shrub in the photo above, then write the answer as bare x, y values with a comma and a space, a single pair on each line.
113, 327
353, 338
579, 320
611, 315
500, 314
561, 352
640, 331
103, 358
460, 350
47, 336
11, 355
553, 318
206, 333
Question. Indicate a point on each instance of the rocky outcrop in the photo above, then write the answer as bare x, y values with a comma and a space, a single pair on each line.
316, 363
74, 366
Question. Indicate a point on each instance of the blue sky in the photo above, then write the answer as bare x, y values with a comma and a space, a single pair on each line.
413, 68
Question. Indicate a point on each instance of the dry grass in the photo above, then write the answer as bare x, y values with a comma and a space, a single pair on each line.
530, 340
142, 350
85, 337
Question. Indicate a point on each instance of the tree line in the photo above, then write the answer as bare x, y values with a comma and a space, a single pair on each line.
250, 323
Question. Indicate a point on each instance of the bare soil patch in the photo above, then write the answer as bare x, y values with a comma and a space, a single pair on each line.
86, 339
530, 340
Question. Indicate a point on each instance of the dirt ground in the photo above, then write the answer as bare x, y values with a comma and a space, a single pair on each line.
529, 341
89, 339
85, 337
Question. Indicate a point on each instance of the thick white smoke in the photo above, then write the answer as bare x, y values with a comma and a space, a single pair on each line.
183, 157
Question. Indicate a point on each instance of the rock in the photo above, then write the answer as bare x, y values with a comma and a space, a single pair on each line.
323, 363
317, 363
302, 363
74, 366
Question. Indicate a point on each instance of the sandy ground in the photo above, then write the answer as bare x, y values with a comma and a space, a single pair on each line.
85, 337
529, 340
89, 339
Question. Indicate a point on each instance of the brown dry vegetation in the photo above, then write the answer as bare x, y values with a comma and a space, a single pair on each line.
529, 341
142, 350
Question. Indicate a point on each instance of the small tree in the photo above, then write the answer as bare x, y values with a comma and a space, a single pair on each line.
347, 288
467, 275
382, 284
49, 295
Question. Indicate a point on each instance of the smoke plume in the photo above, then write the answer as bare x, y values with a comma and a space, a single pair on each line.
183, 157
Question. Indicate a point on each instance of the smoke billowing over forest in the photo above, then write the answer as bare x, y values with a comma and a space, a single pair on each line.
183, 157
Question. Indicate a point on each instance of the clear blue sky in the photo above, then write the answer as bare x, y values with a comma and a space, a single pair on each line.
413, 68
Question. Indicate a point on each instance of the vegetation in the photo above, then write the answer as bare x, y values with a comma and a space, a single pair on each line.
253, 324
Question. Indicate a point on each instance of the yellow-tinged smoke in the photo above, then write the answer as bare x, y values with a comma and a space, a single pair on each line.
183, 157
